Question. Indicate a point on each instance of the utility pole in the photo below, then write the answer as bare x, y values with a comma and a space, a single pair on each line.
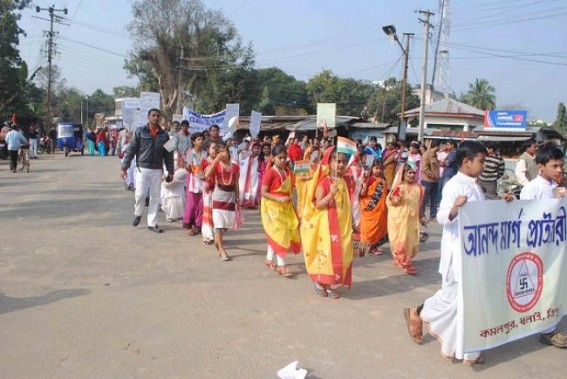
50, 51
428, 25
402, 129
179, 85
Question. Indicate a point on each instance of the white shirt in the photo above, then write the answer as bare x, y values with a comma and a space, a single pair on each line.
538, 189
458, 185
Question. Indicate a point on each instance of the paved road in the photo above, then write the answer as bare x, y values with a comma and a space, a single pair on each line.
83, 294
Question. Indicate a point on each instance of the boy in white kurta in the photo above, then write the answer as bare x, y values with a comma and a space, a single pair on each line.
441, 311
549, 161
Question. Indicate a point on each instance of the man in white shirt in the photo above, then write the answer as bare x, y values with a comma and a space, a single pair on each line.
14, 139
441, 310
549, 162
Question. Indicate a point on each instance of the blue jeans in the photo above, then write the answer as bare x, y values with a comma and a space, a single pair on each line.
430, 196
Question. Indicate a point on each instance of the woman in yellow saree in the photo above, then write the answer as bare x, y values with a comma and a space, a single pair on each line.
404, 218
279, 219
326, 227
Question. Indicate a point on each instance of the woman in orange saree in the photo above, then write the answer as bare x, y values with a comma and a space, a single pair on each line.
326, 227
389, 159
374, 219
278, 215
404, 203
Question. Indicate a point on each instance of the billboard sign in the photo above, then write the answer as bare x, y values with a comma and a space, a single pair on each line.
516, 120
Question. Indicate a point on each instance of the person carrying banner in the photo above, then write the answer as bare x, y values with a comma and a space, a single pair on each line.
249, 180
278, 215
326, 227
441, 311
373, 209
404, 217
549, 161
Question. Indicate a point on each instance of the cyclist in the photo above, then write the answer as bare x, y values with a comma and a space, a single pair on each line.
15, 139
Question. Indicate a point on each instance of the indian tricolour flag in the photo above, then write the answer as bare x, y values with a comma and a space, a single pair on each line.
301, 167
346, 146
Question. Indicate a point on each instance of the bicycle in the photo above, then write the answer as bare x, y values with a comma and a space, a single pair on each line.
24, 159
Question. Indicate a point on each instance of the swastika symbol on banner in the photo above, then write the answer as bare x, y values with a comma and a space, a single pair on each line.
524, 281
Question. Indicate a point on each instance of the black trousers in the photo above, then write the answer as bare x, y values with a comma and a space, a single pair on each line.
13, 159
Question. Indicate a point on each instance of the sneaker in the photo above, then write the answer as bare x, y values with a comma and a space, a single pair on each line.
147, 201
555, 338
156, 229
136, 221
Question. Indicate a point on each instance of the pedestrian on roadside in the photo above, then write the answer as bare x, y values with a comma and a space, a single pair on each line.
526, 168
147, 146
430, 179
91, 141
101, 142
15, 139
33, 134
193, 215
493, 170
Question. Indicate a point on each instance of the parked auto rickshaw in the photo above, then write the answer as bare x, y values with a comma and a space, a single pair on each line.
70, 138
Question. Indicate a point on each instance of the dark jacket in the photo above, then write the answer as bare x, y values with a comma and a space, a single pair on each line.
149, 151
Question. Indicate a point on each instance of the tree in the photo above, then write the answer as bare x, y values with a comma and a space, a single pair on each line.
125, 91
350, 95
13, 72
280, 90
560, 123
180, 44
385, 104
480, 95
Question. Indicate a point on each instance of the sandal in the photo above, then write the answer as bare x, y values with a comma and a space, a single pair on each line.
376, 251
208, 242
478, 361
224, 257
283, 271
411, 270
415, 328
333, 294
271, 265
320, 290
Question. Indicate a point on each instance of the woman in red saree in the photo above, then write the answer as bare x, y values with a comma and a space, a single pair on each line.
326, 227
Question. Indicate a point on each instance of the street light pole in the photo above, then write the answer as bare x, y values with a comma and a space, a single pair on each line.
87, 115
390, 31
427, 14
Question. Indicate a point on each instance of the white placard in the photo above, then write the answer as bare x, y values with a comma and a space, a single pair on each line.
255, 123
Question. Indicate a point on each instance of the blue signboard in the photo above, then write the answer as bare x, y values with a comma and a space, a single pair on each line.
506, 119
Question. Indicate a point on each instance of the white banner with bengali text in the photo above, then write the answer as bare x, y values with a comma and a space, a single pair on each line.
514, 269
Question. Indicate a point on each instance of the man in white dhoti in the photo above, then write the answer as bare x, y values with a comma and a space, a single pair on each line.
441, 311
549, 161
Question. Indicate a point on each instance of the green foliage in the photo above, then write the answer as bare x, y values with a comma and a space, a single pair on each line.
12, 75
560, 123
385, 104
180, 44
125, 91
350, 95
281, 90
480, 95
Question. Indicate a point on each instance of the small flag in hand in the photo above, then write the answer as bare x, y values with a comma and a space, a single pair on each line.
346, 146
301, 167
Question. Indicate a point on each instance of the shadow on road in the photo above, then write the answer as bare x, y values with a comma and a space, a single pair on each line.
11, 304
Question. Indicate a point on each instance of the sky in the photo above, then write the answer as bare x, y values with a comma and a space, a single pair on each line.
519, 46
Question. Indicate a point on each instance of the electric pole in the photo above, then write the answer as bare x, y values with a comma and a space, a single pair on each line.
402, 129
179, 84
428, 25
50, 51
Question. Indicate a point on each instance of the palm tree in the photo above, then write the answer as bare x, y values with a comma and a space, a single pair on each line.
480, 95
